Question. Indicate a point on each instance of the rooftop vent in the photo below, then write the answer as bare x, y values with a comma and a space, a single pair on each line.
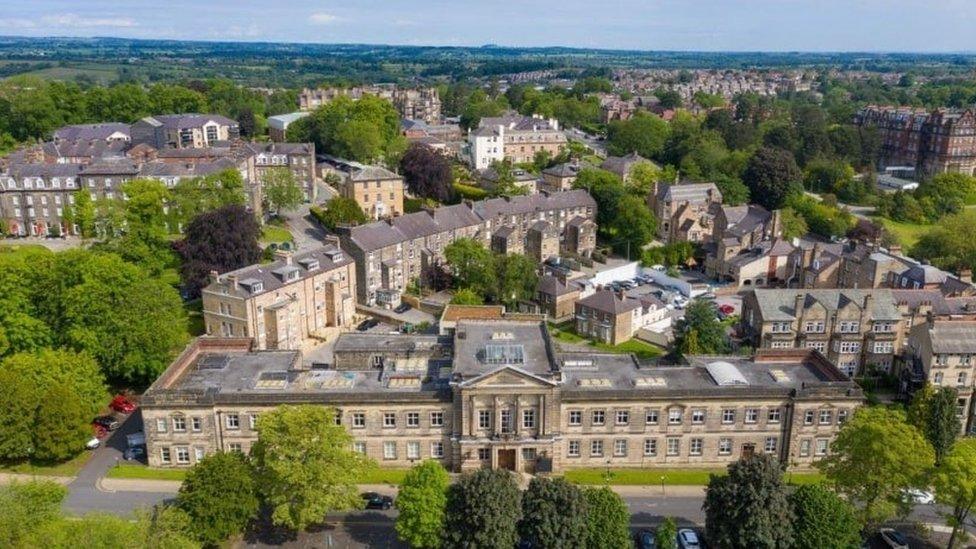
578, 363
502, 336
213, 362
725, 373
594, 382
403, 382
780, 376
650, 382
272, 380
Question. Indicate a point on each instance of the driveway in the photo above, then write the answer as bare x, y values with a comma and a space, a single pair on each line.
304, 229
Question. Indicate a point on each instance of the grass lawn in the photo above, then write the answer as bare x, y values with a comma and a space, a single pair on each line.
672, 477
907, 234
383, 476
130, 470
68, 468
273, 233
637, 347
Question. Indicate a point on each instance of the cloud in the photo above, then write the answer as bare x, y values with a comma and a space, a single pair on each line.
76, 21
17, 24
322, 18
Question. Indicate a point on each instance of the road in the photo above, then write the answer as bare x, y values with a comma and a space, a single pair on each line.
599, 147
861, 212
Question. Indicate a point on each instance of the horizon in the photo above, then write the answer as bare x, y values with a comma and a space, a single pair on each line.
727, 26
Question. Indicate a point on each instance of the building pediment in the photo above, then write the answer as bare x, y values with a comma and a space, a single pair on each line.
507, 377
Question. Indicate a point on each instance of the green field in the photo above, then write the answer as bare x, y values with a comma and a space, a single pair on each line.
383, 476
671, 477
274, 233
68, 468
129, 470
907, 234
637, 347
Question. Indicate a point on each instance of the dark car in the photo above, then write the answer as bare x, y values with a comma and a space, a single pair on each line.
402, 308
106, 422
367, 324
377, 501
645, 540
134, 452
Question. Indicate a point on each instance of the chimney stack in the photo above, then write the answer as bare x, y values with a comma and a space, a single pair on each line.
798, 306
283, 255
966, 275
232, 279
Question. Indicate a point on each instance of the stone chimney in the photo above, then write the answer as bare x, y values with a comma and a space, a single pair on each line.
283, 255
798, 307
233, 281
213, 276
966, 275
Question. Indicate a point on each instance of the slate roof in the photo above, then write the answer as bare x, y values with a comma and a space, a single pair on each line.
607, 301
188, 120
551, 285
328, 257
566, 169
779, 304
90, 132
621, 165
742, 220
952, 336
689, 192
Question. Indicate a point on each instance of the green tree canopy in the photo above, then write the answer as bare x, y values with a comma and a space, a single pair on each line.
700, 332
220, 496
644, 134
306, 466
483, 510
633, 227
823, 519
553, 514
467, 296
955, 485
472, 265
607, 518
421, 503
749, 506
340, 211
933, 413
516, 279
195, 195
874, 459
281, 189
772, 176
62, 424
26, 507
666, 535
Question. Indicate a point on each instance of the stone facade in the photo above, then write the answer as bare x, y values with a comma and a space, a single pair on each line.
182, 131
931, 142
283, 303
497, 394
943, 350
378, 191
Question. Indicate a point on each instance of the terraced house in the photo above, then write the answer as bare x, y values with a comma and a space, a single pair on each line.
499, 394
390, 254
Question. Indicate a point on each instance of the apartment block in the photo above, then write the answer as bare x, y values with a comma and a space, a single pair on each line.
413, 103
497, 393
513, 137
931, 142
377, 190
942, 353
184, 131
613, 318
281, 305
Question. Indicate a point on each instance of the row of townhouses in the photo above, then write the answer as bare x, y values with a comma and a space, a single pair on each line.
412, 103
498, 393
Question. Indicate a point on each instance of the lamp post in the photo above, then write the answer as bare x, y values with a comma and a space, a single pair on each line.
607, 478
662, 485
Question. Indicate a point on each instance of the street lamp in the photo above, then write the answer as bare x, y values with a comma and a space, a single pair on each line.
662, 485
607, 478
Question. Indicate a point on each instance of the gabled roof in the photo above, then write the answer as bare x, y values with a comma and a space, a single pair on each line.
188, 120
607, 301
690, 192
779, 304
551, 285
952, 336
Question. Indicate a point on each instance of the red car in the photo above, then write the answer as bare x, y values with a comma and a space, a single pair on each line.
122, 404
100, 432
726, 309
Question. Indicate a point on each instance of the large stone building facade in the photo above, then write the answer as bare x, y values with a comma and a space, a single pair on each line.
284, 303
377, 190
412, 103
499, 394
516, 138
931, 142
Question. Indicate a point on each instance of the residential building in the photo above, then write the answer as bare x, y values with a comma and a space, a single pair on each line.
299, 158
932, 142
377, 190
557, 298
684, 211
942, 352
281, 305
746, 248
416, 103
859, 331
107, 131
609, 317
622, 165
183, 131
513, 137
498, 394
560, 177
278, 124
390, 254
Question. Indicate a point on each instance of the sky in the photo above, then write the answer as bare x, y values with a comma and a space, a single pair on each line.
686, 25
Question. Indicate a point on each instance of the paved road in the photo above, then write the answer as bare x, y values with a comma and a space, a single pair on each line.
599, 147
862, 212
84, 493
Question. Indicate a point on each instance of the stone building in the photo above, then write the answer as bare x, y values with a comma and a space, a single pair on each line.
557, 298
609, 317
560, 177
377, 190
183, 131
390, 254
282, 304
499, 394
931, 142
417, 103
942, 352
513, 137
623, 165
684, 211
857, 330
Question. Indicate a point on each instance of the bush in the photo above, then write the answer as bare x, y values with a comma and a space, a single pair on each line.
469, 192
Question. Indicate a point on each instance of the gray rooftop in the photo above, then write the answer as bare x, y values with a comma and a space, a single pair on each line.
270, 277
952, 336
90, 132
188, 120
690, 192
780, 304
481, 347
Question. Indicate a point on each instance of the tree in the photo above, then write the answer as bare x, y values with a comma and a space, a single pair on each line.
220, 496
466, 296
421, 503
281, 189
193, 196
634, 226
822, 519
220, 240
84, 214
365, 130
948, 193
666, 535
793, 224
166, 527
427, 173
472, 265
340, 211
644, 134
61, 426
955, 485
734, 191
772, 176
607, 518
517, 278
749, 507
642, 177
305, 465
483, 510
700, 332
26, 507
18, 405
948, 244
874, 459
933, 413
606, 189
48, 368
553, 514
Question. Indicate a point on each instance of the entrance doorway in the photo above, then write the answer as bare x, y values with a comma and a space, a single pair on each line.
748, 450
506, 459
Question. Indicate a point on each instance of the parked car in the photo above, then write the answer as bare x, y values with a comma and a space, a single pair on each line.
135, 452
645, 540
688, 539
402, 308
367, 324
100, 432
894, 538
709, 296
377, 501
922, 497
93, 443
726, 309
107, 422
659, 268
122, 404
